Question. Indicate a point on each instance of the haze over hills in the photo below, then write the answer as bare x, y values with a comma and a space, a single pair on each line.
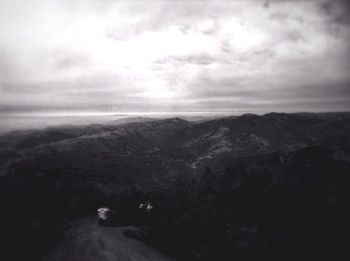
268, 168
180, 140
35, 121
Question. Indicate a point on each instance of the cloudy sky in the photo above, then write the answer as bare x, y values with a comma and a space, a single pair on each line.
161, 56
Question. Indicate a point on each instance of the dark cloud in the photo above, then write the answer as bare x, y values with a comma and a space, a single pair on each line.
266, 4
337, 10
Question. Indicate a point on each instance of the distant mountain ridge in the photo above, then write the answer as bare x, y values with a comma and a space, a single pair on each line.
165, 143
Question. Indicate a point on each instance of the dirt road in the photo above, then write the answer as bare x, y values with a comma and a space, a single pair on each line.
89, 241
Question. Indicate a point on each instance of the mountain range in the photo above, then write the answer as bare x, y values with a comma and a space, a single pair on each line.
60, 172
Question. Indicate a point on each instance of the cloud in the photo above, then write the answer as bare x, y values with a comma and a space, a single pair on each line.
337, 10
174, 55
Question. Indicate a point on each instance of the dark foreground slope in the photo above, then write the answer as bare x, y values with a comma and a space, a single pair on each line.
89, 241
241, 187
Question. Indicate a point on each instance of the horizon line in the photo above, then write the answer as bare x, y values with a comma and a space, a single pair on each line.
165, 113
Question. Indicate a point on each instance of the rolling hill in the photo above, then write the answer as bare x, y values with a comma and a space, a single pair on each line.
270, 168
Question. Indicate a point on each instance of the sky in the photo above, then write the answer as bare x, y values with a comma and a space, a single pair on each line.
110, 56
